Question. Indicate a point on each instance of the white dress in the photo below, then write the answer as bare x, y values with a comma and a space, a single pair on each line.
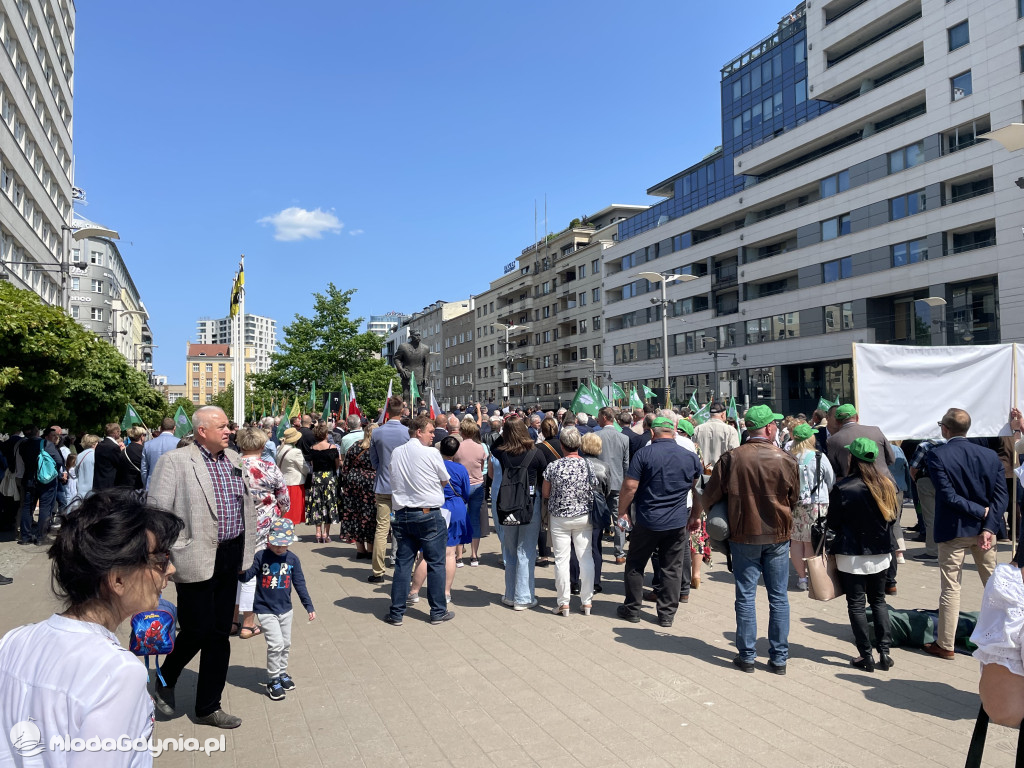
998, 634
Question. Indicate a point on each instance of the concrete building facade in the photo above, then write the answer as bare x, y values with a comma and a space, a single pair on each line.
867, 208
260, 336
383, 325
208, 369
37, 56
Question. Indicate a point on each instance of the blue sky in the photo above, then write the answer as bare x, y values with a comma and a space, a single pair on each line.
395, 148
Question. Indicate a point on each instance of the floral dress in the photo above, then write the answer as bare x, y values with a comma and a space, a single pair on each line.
269, 495
358, 508
700, 544
322, 496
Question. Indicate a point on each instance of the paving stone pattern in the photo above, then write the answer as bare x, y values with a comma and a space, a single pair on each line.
496, 687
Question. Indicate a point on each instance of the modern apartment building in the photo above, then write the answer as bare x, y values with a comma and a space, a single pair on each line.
103, 298
852, 200
549, 303
383, 325
458, 360
260, 336
208, 370
37, 56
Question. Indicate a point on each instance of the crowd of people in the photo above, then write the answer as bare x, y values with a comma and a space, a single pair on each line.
416, 494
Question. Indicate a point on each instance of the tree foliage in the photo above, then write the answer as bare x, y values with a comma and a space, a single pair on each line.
53, 371
320, 348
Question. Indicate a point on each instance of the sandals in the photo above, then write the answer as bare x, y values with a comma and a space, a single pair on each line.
253, 631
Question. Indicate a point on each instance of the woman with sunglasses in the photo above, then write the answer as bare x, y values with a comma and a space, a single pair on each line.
69, 675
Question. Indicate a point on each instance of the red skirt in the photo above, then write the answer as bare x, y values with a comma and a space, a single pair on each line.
297, 496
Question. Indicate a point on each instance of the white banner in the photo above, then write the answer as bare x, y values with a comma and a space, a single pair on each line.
905, 390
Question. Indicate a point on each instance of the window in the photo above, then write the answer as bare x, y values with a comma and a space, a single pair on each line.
220, 367
838, 317
195, 383
835, 184
547, 311
195, 367
909, 253
1020, 52
583, 270
906, 205
837, 227
596, 321
546, 288
96, 257
906, 157
97, 286
778, 103
737, 124
583, 299
595, 266
838, 269
96, 313
195, 398
209, 367
209, 382
801, 91
960, 86
595, 295
547, 337
74, 311
959, 35
583, 326
220, 382
75, 284
76, 255
209, 398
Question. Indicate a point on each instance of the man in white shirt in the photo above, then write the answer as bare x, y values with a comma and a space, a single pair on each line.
354, 434
715, 436
418, 477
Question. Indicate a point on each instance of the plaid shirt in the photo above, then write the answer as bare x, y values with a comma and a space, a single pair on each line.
918, 460
229, 490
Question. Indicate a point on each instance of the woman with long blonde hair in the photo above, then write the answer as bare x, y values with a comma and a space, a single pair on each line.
862, 512
816, 481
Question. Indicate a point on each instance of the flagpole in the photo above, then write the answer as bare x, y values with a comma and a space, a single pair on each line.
239, 363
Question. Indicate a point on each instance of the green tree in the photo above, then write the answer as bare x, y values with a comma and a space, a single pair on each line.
54, 371
320, 348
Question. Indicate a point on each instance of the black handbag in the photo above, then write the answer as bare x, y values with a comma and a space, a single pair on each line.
600, 515
974, 752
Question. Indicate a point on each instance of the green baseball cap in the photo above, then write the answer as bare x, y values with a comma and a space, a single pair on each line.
864, 448
844, 412
663, 422
803, 431
684, 425
759, 416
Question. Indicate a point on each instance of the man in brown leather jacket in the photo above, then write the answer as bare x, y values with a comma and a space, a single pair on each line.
761, 483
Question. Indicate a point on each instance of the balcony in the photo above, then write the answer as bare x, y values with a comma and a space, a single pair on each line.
724, 277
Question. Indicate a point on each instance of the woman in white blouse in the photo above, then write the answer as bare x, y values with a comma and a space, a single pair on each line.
69, 676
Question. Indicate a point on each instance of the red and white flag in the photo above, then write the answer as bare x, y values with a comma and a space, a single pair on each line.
435, 409
352, 407
384, 412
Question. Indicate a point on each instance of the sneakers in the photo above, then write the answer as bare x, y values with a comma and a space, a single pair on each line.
275, 690
286, 682
525, 606
574, 587
389, 619
446, 616
221, 719
900, 559
163, 699
506, 601
776, 669
801, 584
414, 598
459, 563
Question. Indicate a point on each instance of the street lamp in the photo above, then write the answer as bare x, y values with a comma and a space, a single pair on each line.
508, 359
665, 279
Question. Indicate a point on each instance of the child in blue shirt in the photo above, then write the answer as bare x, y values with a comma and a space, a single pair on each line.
278, 569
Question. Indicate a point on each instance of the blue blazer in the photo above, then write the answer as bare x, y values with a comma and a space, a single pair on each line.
967, 479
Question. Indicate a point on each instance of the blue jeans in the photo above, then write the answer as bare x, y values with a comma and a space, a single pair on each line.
495, 485
519, 550
473, 505
749, 561
413, 530
46, 495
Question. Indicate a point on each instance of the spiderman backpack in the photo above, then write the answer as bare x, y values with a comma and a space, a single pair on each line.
153, 633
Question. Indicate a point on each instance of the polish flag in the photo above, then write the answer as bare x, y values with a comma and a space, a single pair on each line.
384, 412
352, 407
435, 409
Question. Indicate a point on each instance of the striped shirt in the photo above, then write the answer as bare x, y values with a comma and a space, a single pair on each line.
229, 491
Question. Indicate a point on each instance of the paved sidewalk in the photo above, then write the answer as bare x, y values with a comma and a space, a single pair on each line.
500, 688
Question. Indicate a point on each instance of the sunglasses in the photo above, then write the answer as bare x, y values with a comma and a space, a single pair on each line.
159, 560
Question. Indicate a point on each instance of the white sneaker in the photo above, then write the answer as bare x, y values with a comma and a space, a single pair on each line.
413, 599
525, 606
900, 559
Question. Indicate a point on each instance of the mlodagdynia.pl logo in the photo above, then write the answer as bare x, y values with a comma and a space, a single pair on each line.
26, 738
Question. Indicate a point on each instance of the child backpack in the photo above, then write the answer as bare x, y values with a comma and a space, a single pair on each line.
46, 468
515, 503
153, 633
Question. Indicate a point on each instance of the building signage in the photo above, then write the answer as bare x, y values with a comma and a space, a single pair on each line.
80, 298
510, 267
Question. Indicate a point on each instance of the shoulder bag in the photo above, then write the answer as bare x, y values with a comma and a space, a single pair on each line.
822, 575
600, 515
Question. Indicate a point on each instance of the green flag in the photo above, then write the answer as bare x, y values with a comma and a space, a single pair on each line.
182, 425
343, 413
131, 418
312, 399
648, 393
327, 408
703, 413
823, 404
295, 411
634, 399
617, 392
584, 401
692, 405
731, 412
599, 399
282, 427
263, 408
414, 391
273, 405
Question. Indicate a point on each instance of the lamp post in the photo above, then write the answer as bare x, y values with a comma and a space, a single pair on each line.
665, 278
508, 357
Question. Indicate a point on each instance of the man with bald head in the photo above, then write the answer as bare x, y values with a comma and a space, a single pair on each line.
440, 428
206, 486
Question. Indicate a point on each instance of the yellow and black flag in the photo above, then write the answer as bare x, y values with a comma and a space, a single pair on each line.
236, 289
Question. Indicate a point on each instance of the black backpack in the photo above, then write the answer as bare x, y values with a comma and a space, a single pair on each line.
515, 502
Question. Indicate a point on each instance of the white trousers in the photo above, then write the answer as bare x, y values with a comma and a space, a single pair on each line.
568, 532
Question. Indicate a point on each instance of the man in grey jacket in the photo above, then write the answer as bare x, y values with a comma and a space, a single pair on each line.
206, 486
615, 453
384, 440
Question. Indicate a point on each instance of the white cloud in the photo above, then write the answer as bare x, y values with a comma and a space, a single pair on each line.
355, 232
299, 224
